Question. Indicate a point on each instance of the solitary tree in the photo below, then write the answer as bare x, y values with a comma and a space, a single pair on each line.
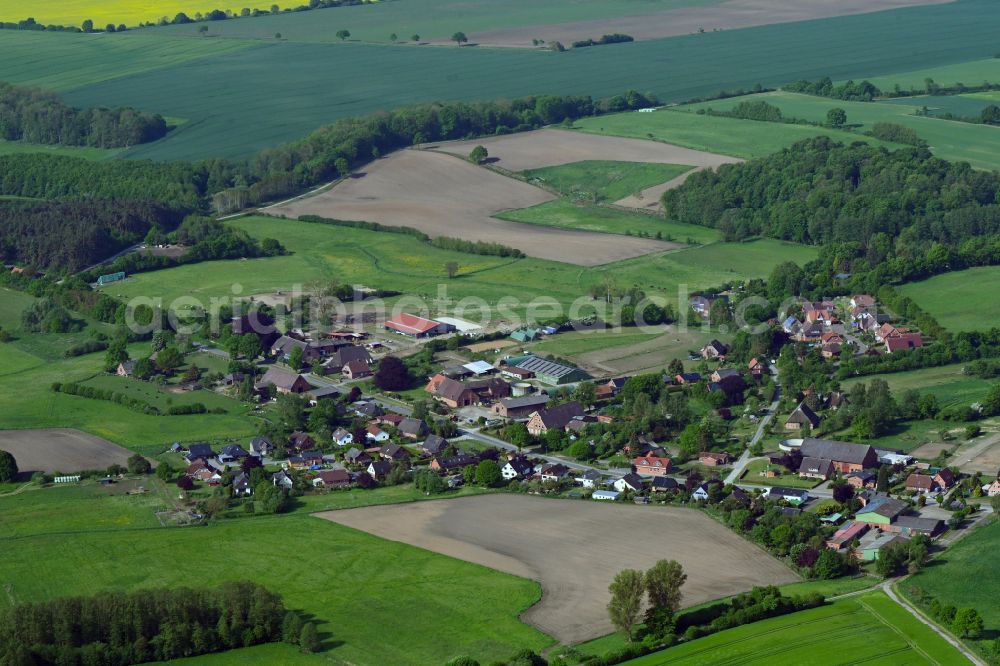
202, 29
488, 473
343, 34
87, 26
459, 38
626, 600
277, 35
967, 623
393, 37
451, 268
295, 358
663, 585
138, 465
392, 375
836, 117
478, 154
8, 467
415, 38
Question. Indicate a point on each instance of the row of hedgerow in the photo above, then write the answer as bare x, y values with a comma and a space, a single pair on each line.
136, 405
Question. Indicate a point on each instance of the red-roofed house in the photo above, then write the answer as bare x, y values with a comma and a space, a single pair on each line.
416, 327
651, 466
903, 342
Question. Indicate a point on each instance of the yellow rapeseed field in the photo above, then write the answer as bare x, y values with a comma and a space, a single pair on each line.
117, 12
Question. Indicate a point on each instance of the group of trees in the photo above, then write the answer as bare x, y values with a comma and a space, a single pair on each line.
70, 235
38, 116
821, 192
659, 588
8, 467
146, 625
614, 38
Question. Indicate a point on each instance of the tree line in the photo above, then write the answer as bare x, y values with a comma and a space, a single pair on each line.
866, 91
34, 115
118, 628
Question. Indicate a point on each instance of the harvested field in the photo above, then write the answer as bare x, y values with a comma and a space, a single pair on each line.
574, 549
60, 450
487, 347
730, 15
979, 455
445, 196
930, 450
552, 147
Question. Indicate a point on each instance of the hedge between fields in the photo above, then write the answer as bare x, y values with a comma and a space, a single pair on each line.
136, 405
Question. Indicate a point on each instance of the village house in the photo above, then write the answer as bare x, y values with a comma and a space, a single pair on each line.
199, 451
628, 482
816, 468
864, 479
412, 428
393, 452
555, 417
920, 483
793, 496
651, 466
241, 485
517, 467
377, 469
283, 480
301, 441
610, 388
663, 484
554, 472
345, 355
126, 369
713, 459
356, 456
376, 434
802, 417
862, 301
519, 408
590, 479
757, 368
334, 478
447, 464
342, 437
687, 378
714, 350
356, 370
903, 342
283, 381
261, 446
993, 489
434, 445
846, 535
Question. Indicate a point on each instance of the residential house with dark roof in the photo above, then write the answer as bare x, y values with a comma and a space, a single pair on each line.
200, 451
802, 417
377, 469
334, 478
356, 456
714, 350
630, 481
412, 428
517, 467
553, 417
453, 463
301, 441
434, 445
356, 370
346, 354
283, 381
815, 468
554, 472
393, 452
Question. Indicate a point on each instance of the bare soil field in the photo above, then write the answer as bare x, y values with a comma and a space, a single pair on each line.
671, 23
60, 450
980, 455
446, 196
574, 549
553, 147
649, 198
931, 450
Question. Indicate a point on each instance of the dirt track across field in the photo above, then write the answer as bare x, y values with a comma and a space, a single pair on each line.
574, 549
60, 450
443, 195
552, 147
685, 21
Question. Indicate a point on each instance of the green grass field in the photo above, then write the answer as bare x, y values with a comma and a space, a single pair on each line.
869, 629
394, 261
431, 19
228, 116
965, 576
947, 383
589, 217
970, 72
977, 144
603, 180
64, 61
729, 136
956, 299
32, 362
828, 588
355, 585
753, 475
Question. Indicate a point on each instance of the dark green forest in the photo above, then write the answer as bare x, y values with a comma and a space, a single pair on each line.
118, 628
38, 116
